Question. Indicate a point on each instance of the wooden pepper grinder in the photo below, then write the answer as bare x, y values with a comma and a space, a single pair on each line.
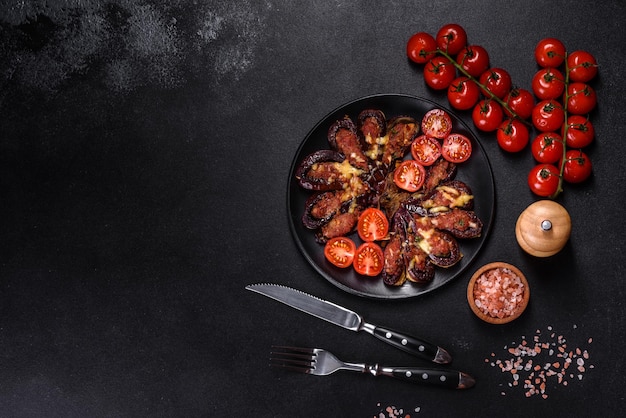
543, 228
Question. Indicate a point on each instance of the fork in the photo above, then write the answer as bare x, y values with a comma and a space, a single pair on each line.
320, 362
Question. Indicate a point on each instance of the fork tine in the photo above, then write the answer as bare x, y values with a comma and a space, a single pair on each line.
293, 358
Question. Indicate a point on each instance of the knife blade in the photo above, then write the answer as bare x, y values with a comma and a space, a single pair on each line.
348, 319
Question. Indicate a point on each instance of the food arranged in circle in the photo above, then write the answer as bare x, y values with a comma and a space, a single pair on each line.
384, 199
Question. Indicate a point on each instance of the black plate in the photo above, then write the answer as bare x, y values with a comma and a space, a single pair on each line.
476, 172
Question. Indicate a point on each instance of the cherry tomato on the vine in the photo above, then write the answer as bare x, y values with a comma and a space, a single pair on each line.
451, 38
497, 81
340, 251
456, 148
439, 73
582, 66
474, 59
521, 101
547, 147
580, 131
581, 98
369, 259
409, 176
548, 116
550, 52
548, 83
436, 123
425, 150
487, 115
543, 179
577, 166
512, 135
463, 93
421, 47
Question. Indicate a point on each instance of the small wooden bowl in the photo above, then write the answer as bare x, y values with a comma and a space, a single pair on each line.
518, 307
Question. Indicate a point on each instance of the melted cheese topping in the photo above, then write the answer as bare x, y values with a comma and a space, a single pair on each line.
452, 195
423, 243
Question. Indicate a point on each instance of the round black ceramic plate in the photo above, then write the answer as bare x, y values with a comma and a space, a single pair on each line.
476, 172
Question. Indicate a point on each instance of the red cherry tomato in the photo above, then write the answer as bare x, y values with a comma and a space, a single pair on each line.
581, 98
372, 225
487, 115
425, 150
474, 59
548, 83
421, 47
548, 116
521, 101
451, 38
543, 180
439, 72
577, 166
340, 251
580, 132
463, 93
436, 123
582, 66
456, 148
409, 176
369, 259
513, 135
497, 81
547, 147
550, 52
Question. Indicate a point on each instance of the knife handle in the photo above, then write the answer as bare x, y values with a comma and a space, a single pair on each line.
451, 379
410, 344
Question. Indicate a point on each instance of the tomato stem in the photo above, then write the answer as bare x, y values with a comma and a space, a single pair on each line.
566, 97
492, 96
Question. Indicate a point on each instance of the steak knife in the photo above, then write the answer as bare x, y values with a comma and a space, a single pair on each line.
348, 319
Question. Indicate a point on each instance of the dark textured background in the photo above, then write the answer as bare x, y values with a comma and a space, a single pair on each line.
144, 158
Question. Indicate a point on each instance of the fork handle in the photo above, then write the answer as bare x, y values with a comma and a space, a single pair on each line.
451, 379
410, 344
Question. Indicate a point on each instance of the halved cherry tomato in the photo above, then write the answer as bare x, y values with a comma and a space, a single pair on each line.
451, 38
580, 131
369, 259
340, 251
436, 123
550, 52
577, 166
497, 81
421, 47
474, 59
582, 66
543, 179
547, 147
425, 150
456, 148
372, 225
581, 98
512, 135
409, 175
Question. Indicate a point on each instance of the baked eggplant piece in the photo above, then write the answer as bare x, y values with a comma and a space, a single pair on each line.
343, 137
372, 126
463, 224
325, 170
449, 195
401, 130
